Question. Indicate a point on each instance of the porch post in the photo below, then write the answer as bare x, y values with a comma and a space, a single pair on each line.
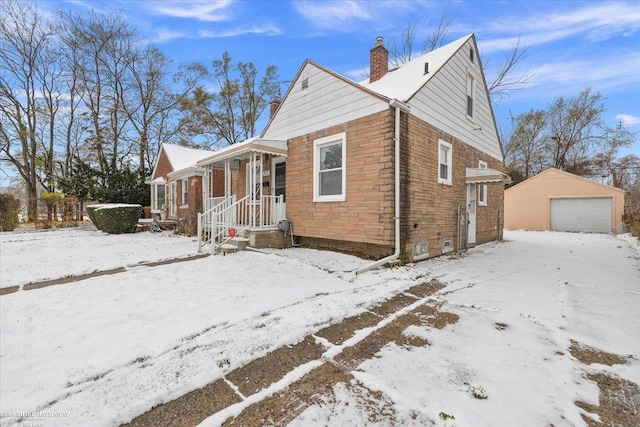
227, 178
205, 190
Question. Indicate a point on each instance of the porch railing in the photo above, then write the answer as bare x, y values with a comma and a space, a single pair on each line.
246, 213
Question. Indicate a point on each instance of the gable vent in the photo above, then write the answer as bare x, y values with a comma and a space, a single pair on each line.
305, 83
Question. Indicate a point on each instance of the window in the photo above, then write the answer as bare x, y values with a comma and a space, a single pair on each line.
482, 188
185, 191
329, 168
445, 158
471, 85
172, 198
471, 54
158, 196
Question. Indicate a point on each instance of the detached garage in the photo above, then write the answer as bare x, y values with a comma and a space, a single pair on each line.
560, 201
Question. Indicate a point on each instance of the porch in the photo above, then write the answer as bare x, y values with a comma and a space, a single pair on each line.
243, 195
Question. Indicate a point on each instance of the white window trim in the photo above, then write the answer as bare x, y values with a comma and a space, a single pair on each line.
154, 197
340, 138
471, 93
449, 161
484, 187
185, 190
172, 199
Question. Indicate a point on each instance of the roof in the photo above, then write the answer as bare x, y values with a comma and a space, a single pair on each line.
267, 146
568, 175
403, 82
184, 157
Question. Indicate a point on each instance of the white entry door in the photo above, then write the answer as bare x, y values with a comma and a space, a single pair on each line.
279, 179
471, 214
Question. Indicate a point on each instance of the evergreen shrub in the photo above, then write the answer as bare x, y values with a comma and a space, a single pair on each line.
9, 209
92, 216
118, 218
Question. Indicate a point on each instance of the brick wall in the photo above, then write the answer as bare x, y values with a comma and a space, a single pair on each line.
364, 222
429, 210
366, 217
163, 166
187, 215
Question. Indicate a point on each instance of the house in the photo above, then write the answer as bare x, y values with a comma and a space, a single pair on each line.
561, 201
176, 185
406, 164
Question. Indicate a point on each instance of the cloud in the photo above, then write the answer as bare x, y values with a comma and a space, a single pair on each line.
628, 120
208, 11
608, 75
596, 23
266, 29
332, 14
165, 34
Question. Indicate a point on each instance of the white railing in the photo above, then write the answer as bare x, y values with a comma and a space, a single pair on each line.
212, 202
208, 219
215, 223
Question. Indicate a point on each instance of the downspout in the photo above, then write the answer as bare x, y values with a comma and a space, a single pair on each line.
399, 106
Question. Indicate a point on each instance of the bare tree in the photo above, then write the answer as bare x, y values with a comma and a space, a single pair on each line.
230, 113
570, 135
577, 131
151, 106
525, 148
27, 94
505, 78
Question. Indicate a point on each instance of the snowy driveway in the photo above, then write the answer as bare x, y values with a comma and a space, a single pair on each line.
107, 349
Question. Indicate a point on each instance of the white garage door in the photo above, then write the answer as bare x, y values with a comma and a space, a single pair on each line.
589, 214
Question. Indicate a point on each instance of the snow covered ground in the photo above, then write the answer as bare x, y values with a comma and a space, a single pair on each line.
56, 253
106, 349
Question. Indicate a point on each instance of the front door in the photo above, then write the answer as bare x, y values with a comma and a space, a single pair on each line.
280, 186
471, 214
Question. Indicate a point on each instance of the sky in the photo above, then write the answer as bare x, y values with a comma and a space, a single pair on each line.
571, 45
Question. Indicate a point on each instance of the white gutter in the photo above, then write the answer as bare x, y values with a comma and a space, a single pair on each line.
399, 106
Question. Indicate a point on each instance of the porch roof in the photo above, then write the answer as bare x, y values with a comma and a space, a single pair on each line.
486, 176
159, 180
266, 146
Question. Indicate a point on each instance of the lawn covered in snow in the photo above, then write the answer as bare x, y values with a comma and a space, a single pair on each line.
51, 254
109, 348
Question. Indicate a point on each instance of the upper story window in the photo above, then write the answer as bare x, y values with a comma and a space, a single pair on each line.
471, 89
472, 54
445, 162
482, 188
329, 168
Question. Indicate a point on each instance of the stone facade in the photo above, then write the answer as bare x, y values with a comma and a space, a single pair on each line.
365, 219
364, 224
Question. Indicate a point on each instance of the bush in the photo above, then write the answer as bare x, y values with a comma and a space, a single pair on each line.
9, 209
92, 216
117, 218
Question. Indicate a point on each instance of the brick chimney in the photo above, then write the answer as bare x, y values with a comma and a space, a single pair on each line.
275, 103
379, 61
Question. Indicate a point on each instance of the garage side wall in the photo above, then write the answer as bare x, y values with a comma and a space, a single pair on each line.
527, 205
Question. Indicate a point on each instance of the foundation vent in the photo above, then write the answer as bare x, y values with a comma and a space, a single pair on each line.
447, 245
